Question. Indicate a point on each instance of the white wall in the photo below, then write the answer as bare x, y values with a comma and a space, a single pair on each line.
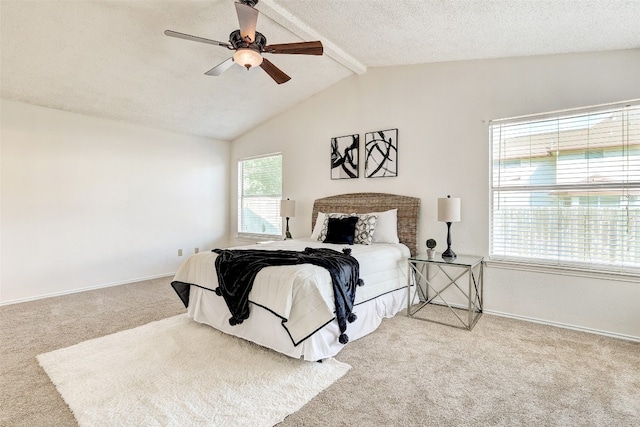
442, 112
89, 202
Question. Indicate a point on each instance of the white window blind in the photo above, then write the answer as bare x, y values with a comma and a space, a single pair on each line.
259, 195
565, 188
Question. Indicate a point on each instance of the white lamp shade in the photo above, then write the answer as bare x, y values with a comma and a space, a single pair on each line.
288, 208
449, 209
247, 57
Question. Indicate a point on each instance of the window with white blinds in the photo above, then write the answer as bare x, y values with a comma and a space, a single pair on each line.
565, 188
259, 195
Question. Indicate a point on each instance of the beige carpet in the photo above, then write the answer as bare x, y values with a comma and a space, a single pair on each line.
176, 372
408, 373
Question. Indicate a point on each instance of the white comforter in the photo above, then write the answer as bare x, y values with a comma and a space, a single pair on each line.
302, 295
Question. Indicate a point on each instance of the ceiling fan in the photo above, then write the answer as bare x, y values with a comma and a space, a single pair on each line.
249, 45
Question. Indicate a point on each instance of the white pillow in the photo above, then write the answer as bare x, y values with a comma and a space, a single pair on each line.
386, 227
317, 228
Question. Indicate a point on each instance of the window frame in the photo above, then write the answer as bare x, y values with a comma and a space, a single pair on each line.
630, 186
241, 199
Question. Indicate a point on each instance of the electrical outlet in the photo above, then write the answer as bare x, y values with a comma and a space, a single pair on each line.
196, 250
179, 252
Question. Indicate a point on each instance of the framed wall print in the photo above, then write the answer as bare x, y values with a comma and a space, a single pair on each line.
345, 152
381, 153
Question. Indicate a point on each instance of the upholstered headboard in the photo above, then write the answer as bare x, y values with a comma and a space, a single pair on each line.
408, 210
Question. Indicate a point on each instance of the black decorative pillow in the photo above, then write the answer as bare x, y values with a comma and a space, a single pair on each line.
325, 224
365, 227
341, 230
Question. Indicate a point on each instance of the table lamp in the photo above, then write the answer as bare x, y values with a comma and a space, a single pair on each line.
449, 211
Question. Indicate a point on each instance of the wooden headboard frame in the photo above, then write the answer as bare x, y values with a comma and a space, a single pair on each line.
408, 210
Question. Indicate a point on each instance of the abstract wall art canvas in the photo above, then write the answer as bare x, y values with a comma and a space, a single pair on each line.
344, 156
381, 153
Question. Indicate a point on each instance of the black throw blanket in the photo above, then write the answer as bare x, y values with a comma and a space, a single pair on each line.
237, 270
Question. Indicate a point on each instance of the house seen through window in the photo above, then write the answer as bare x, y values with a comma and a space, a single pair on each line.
259, 195
565, 188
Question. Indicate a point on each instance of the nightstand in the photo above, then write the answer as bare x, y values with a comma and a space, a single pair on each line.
441, 282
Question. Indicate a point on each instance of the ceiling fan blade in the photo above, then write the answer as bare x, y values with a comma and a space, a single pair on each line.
247, 17
220, 68
196, 38
276, 73
302, 48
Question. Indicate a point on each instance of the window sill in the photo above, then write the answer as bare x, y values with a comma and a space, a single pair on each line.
257, 238
566, 271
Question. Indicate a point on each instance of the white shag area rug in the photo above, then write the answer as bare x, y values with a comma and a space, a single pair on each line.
176, 372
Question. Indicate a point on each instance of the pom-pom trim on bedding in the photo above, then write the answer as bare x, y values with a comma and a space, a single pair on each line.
233, 321
343, 338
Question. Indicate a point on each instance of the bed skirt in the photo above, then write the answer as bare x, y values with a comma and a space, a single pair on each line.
264, 328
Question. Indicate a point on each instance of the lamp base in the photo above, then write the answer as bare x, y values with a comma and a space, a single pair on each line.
287, 234
449, 255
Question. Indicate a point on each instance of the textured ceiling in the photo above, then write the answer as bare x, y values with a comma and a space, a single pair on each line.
111, 59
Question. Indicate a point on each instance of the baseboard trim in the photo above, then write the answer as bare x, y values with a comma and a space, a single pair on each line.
564, 326
546, 322
491, 312
89, 288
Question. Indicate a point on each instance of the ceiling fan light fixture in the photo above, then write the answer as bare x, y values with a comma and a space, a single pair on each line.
247, 57
249, 45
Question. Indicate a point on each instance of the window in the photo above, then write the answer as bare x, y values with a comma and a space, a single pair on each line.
259, 195
565, 188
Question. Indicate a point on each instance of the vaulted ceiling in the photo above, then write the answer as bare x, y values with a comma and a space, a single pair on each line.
111, 59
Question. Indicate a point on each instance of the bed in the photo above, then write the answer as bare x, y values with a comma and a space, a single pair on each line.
292, 308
